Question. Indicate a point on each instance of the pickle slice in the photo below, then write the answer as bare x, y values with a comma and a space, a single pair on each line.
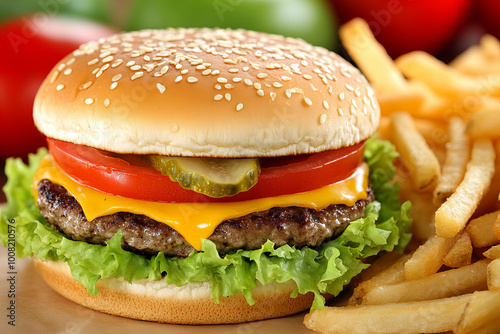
214, 177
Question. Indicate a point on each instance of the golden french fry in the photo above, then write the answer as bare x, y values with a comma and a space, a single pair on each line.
482, 309
371, 57
444, 79
392, 275
485, 123
415, 152
440, 285
408, 100
457, 155
491, 328
428, 258
482, 59
494, 275
489, 45
481, 230
493, 252
496, 227
430, 316
452, 216
460, 254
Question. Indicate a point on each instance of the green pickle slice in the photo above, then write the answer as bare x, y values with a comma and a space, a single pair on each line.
214, 177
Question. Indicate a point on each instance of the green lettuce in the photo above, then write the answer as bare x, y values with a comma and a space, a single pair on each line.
326, 269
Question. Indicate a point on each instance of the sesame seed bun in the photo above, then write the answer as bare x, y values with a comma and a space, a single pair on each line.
190, 304
206, 92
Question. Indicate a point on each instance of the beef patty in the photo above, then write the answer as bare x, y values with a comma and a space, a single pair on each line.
295, 226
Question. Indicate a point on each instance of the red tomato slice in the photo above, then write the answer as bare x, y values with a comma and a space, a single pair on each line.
130, 175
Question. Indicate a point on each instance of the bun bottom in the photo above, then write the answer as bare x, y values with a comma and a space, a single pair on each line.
190, 304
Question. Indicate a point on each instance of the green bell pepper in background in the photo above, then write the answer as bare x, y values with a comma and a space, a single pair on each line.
311, 20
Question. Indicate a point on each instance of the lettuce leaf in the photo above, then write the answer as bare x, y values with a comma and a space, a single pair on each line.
326, 269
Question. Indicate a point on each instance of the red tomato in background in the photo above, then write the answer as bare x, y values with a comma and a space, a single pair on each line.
487, 14
407, 25
31, 46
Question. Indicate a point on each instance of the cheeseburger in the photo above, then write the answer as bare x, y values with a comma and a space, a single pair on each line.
204, 176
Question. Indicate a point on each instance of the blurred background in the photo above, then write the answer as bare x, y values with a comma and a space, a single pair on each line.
36, 34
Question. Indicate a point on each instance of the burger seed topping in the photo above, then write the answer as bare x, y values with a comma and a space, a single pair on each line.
89, 101
308, 101
228, 96
106, 103
322, 119
161, 88
59, 87
341, 96
136, 67
239, 106
116, 77
260, 92
192, 79
340, 111
93, 61
218, 97
179, 78
137, 75
326, 105
113, 85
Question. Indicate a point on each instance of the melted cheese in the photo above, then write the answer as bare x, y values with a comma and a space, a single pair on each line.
197, 221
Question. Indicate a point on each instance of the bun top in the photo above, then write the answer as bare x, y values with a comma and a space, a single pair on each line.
206, 92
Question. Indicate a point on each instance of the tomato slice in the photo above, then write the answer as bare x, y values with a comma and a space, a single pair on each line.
131, 176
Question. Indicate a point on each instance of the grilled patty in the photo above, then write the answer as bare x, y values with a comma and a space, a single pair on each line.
295, 226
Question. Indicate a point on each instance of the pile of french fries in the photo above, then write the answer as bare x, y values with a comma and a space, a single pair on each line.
444, 120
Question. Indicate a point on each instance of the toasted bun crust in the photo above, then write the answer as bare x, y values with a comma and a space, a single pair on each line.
190, 304
206, 92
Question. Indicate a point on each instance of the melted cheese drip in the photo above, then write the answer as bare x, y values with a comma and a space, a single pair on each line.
197, 221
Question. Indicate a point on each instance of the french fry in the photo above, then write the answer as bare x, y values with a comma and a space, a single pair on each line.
491, 328
371, 57
414, 151
493, 252
430, 316
392, 275
493, 273
428, 258
481, 230
496, 227
452, 216
485, 123
460, 254
482, 309
440, 285
489, 46
482, 59
444, 79
409, 100
457, 155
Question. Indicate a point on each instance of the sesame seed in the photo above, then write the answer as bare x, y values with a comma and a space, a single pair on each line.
285, 78
147, 58
239, 106
179, 78
257, 85
113, 85
326, 105
222, 80
215, 72
233, 70
236, 79
228, 86
184, 71
218, 97
217, 86
228, 96
201, 67
161, 88
353, 102
87, 84
178, 66
116, 77
288, 93
341, 96
137, 75
277, 85
365, 111
59, 87
307, 76
164, 70
107, 59
349, 87
54, 76
117, 63
340, 111
89, 101
260, 92
357, 93
130, 63
67, 71
93, 61
148, 67
246, 68
261, 75
272, 95
106, 103
136, 67
175, 128
352, 109
192, 79
206, 72
248, 82
322, 119
307, 101
61, 67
